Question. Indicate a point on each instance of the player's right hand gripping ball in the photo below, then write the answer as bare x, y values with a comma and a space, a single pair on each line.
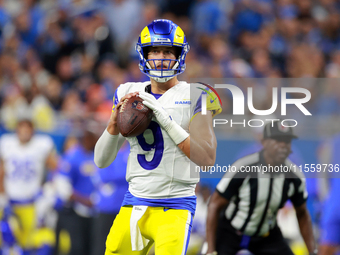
133, 117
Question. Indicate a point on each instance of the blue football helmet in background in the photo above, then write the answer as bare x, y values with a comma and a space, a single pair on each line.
162, 32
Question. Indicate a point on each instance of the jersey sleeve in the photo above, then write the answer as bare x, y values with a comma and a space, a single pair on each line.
49, 144
46, 144
115, 99
64, 167
300, 194
121, 91
228, 187
5, 140
212, 101
231, 182
68, 165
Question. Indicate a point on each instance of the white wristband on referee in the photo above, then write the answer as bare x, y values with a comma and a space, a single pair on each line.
176, 132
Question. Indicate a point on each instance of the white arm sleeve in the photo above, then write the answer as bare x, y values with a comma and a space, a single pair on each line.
106, 148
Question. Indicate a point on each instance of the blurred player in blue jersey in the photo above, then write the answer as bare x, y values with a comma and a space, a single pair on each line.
111, 187
330, 219
75, 187
160, 203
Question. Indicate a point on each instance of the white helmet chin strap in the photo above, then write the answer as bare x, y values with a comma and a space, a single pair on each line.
161, 79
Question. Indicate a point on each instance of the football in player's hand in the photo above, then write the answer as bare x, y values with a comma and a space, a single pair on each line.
133, 117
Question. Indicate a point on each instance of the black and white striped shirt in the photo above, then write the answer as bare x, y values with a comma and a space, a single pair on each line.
255, 198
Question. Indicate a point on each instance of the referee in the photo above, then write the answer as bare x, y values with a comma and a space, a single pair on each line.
250, 200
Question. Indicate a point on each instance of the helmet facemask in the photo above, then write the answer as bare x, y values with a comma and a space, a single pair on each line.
163, 74
162, 71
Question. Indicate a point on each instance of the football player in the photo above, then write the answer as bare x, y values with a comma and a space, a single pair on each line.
159, 206
24, 157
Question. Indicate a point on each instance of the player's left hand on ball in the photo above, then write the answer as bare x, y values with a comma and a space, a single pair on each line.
112, 125
161, 115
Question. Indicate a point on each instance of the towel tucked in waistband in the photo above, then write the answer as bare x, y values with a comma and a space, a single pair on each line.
138, 242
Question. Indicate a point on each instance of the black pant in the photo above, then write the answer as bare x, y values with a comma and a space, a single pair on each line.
101, 228
229, 242
79, 229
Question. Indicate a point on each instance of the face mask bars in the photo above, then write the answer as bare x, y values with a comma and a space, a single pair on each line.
161, 71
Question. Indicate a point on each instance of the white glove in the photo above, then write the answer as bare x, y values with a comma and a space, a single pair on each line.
161, 115
175, 131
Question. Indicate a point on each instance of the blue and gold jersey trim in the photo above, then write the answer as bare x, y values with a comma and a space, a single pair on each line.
115, 100
184, 203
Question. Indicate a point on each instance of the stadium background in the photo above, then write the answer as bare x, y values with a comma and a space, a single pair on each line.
61, 61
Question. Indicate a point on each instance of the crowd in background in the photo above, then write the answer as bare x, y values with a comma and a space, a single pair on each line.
61, 60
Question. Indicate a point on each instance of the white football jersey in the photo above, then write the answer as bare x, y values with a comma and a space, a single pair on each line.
24, 165
156, 167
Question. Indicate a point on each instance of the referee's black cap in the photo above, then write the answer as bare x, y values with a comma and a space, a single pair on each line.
276, 130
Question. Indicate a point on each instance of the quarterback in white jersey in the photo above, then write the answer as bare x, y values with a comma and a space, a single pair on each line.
24, 158
168, 174
160, 203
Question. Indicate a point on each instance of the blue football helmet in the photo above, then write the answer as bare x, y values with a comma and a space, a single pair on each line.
162, 32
